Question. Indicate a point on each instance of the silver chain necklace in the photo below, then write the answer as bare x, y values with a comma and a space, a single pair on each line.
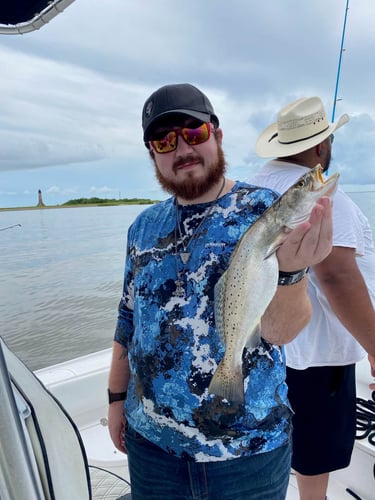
185, 255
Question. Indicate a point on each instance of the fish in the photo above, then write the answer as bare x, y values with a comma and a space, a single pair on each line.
245, 289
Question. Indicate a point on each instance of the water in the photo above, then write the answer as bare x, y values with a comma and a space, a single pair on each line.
61, 278
366, 202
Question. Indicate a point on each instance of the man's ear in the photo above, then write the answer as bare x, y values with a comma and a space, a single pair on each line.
320, 149
152, 154
219, 135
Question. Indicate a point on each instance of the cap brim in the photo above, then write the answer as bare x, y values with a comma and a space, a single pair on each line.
267, 145
204, 117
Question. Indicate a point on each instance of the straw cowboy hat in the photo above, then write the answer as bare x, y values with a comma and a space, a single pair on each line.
300, 125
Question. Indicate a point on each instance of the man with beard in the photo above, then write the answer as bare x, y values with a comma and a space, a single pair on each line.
321, 359
183, 442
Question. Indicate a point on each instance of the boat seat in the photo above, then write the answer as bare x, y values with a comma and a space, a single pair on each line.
108, 486
42, 456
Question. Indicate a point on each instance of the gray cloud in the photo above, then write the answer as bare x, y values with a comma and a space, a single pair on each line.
72, 92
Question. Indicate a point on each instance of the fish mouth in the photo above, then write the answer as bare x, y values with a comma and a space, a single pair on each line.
313, 186
319, 173
327, 186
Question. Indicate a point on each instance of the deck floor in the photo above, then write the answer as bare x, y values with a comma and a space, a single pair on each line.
336, 491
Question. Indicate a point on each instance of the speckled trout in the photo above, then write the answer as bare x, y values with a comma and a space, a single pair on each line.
245, 290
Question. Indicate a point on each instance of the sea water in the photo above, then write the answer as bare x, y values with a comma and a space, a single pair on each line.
61, 278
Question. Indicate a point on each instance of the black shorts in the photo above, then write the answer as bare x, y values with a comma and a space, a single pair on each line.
324, 422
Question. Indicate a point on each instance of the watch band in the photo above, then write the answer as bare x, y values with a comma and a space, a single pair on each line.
116, 396
290, 278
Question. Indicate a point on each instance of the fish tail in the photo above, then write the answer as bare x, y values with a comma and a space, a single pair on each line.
227, 383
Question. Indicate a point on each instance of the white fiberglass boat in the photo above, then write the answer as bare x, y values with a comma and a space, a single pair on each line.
55, 442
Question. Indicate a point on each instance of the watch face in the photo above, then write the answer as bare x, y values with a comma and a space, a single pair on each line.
291, 278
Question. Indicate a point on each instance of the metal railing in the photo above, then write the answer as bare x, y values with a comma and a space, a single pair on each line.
52, 9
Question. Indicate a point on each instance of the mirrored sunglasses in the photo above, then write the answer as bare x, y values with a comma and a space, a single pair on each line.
166, 141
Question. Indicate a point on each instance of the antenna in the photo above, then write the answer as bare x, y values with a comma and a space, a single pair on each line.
339, 65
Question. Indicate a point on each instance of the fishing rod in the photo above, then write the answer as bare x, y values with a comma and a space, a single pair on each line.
9, 227
339, 65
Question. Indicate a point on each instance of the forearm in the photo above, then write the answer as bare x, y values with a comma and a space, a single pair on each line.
119, 375
342, 282
350, 301
287, 314
119, 372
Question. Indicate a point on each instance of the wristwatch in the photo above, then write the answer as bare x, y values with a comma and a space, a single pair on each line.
116, 396
290, 278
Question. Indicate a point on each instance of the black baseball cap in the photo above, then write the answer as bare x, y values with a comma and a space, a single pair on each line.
181, 98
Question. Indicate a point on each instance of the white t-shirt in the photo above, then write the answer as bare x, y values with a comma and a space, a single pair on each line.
325, 341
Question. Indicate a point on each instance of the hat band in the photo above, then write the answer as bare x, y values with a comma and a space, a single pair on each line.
298, 140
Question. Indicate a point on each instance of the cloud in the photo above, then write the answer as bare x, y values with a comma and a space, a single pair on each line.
19, 152
72, 92
53, 190
8, 193
81, 116
102, 190
355, 150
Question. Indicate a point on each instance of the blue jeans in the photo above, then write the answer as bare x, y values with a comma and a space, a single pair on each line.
157, 475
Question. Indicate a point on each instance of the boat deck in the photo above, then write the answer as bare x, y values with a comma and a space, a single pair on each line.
87, 404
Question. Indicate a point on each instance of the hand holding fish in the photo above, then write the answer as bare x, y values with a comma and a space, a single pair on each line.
294, 233
372, 368
305, 246
310, 242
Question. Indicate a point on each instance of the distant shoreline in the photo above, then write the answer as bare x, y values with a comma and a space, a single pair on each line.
81, 205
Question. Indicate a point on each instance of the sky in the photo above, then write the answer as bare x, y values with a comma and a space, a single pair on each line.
72, 92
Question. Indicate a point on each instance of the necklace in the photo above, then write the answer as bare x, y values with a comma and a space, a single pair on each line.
185, 255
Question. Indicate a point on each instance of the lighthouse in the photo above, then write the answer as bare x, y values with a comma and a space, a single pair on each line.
40, 199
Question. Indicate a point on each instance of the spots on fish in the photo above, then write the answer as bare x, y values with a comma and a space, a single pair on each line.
245, 290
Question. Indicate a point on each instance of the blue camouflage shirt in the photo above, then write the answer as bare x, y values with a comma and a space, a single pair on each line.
172, 343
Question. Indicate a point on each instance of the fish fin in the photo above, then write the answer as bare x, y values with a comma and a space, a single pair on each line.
254, 338
272, 250
219, 311
228, 383
276, 244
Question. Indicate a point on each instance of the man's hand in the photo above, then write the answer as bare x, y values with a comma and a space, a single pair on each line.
116, 425
310, 242
372, 364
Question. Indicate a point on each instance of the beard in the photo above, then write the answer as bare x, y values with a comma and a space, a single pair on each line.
190, 189
327, 161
